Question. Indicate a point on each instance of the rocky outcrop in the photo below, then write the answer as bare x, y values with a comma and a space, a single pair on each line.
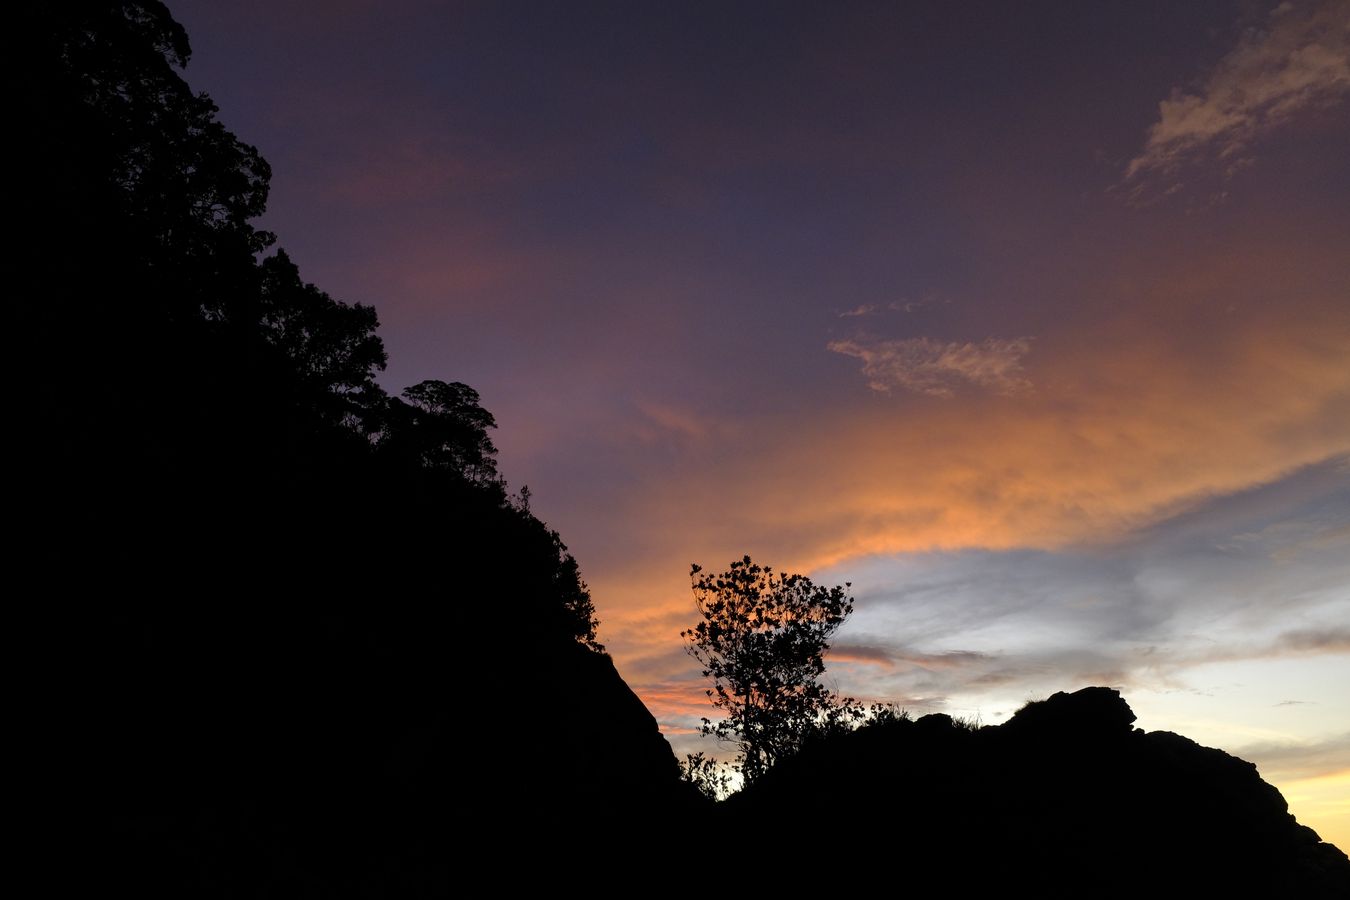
1065, 799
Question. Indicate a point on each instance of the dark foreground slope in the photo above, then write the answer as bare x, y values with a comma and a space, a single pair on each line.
279, 633
1066, 798
353, 756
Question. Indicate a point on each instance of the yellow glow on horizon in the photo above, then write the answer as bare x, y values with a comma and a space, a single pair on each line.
1323, 804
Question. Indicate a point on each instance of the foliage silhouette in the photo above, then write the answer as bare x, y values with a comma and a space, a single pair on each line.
196, 397
708, 776
309, 574
332, 346
762, 640
443, 427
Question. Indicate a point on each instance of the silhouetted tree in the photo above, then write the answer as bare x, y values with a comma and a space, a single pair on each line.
762, 641
143, 270
574, 596
332, 346
297, 549
708, 776
444, 428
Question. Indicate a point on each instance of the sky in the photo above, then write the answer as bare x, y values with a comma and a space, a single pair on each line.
1031, 321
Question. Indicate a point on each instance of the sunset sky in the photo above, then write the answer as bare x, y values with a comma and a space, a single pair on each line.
1031, 320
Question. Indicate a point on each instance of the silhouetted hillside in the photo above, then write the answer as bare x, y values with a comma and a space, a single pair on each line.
291, 635
356, 753
1064, 799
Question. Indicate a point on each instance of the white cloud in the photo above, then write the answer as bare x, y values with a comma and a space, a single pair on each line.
1289, 760
928, 366
865, 309
1165, 609
1301, 57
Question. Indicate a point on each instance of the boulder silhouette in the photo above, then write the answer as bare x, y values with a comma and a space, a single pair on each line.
1064, 799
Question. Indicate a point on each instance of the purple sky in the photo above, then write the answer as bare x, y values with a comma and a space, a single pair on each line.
1031, 320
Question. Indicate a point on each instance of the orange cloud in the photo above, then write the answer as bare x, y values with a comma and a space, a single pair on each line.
1217, 374
1300, 57
928, 366
675, 702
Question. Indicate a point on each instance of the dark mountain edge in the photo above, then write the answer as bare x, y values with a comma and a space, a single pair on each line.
349, 757
287, 635
337, 767
1065, 798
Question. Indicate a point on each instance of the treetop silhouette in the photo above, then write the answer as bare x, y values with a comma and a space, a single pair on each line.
195, 394
762, 640
448, 429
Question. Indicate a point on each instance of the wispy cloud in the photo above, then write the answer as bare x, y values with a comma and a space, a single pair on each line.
909, 306
663, 422
1306, 642
893, 656
862, 653
937, 368
1148, 613
1293, 760
1313, 640
904, 305
1300, 57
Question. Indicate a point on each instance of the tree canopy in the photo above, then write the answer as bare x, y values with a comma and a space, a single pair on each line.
443, 427
277, 589
762, 639
194, 400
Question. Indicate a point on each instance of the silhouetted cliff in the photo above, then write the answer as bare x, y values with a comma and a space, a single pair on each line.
1064, 799
358, 753
290, 635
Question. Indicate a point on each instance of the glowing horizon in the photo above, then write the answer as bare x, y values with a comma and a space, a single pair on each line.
1033, 327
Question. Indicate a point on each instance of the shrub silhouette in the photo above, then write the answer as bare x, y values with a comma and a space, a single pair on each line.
762, 640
